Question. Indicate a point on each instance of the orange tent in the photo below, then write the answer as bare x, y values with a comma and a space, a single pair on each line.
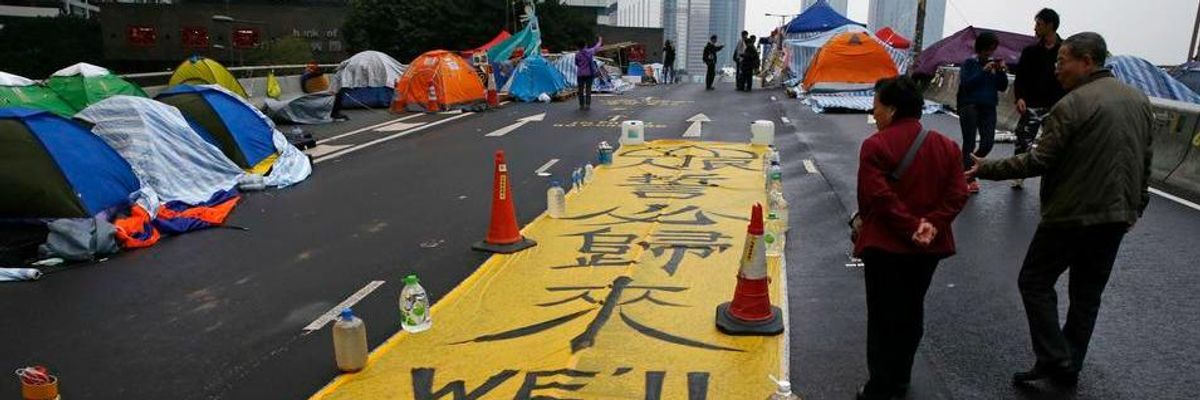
850, 61
436, 81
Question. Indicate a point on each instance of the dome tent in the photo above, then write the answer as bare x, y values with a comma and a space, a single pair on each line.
84, 84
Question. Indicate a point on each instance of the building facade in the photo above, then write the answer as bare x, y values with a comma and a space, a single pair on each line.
901, 16
689, 23
838, 5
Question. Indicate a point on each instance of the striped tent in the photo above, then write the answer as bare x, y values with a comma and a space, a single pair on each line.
1154, 82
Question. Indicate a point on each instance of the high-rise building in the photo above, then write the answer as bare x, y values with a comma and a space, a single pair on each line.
689, 23
838, 5
901, 15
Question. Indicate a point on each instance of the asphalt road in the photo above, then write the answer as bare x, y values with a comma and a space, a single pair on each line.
220, 313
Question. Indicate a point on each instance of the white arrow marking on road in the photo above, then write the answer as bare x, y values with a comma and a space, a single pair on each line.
361, 130
545, 167
695, 129
393, 136
399, 126
520, 122
330, 315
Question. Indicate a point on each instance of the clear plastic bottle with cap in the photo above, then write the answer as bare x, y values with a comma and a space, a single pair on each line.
350, 342
556, 201
589, 173
414, 306
783, 391
577, 179
773, 236
779, 205
774, 177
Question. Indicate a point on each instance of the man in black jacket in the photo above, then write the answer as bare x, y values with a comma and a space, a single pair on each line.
710, 60
1035, 88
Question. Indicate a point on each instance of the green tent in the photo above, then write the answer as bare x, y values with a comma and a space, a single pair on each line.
16, 91
83, 84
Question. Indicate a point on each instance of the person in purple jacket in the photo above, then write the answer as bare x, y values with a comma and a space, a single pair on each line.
586, 71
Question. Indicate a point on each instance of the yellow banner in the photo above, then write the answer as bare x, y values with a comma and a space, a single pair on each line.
617, 301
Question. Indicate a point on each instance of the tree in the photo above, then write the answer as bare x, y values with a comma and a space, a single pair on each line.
280, 51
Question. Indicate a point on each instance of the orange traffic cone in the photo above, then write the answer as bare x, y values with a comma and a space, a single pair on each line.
751, 312
493, 98
504, 236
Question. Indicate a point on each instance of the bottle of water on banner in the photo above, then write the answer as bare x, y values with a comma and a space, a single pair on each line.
556, 201
783, 391
779, 205
774, 178
773, 236
768, 157
349, 342
589, 173
414, 306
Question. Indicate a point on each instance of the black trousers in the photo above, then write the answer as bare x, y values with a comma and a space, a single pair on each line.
1089, 252
709, 75
1027, 129
669, 73
585, 90
976, 119
896, 286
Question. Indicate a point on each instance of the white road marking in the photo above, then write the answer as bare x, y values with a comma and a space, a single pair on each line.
399, 126
810, 167
541, 171
330, 315
388, 138
785, 341
361, 130
516, 125
323, 149
1168, 196
695, 130
785, 120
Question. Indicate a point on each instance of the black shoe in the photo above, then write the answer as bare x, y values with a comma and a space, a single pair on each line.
1061, 375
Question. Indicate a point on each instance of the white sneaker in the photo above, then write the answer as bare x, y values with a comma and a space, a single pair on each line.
1018, 183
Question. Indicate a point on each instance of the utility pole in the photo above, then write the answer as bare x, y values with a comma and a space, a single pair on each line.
920, 31
1195, 31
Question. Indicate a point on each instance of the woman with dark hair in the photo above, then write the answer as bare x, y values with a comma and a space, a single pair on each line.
910, 188
982, 79
586, 71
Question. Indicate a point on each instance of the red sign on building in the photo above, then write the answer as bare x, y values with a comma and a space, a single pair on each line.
244, 38
194, 37
141, 36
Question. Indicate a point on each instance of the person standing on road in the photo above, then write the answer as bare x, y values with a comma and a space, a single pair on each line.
906, 209
710, 61
669, 62
1035, 87
738, 51
1094, 158
586, 71
748, 67
983, 78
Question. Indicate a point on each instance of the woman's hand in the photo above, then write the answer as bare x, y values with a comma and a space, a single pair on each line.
925, 233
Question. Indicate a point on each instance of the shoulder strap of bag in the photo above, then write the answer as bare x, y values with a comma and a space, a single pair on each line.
910, 155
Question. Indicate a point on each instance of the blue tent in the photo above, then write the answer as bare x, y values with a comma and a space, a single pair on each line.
819, 17
51, 167
1154, 82
227, 122
535, 76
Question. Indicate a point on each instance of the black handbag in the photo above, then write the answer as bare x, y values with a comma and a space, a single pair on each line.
856, 220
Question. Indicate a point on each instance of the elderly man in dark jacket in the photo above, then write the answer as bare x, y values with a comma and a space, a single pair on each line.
1094, 158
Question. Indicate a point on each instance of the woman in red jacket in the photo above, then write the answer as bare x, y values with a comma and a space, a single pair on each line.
906, 215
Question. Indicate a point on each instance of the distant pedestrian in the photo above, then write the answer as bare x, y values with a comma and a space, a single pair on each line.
982, 79
749, 66
906, 205
739, 50
710, 61
1094, 160
1035, 87
669, 62
586, 71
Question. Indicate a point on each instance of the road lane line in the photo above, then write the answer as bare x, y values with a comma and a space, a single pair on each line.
388, 138
785, 120
330, 315
372, 127
323, 149
785, 340
810, 167
1168, 196
399, 126
545, 167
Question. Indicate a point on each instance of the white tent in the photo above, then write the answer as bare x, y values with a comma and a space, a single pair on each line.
368, 69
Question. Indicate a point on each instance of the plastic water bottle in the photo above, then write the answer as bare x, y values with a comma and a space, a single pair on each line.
768, 157
773, 236
414, 306
589, 173
556, 201
577, 179
350, 342
774, 178
783, 391
779, 206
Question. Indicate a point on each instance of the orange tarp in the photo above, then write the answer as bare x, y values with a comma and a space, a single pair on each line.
851, 57
452, 80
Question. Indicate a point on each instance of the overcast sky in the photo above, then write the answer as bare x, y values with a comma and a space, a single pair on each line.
1157, 30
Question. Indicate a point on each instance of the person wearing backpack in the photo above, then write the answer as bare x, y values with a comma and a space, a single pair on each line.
910, 188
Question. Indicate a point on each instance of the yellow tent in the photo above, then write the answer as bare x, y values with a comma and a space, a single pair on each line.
203, 71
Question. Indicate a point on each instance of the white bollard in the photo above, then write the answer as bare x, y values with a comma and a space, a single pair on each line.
762, 133
633, 132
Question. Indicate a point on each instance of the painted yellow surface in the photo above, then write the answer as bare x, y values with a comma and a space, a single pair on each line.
616, 302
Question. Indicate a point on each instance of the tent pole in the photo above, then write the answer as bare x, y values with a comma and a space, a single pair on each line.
919, 38
1195, 31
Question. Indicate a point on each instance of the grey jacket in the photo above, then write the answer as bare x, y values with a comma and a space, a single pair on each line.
1093, 155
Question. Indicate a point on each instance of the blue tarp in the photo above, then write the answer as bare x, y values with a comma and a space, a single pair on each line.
367, 97
1154, 82
819, 17
535, 76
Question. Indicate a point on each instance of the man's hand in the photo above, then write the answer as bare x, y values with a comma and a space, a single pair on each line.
1021, 106
925, 233
970, 173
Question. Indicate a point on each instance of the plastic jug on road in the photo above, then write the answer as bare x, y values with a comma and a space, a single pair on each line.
556, 201
589, 173
414, 306
350, 342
